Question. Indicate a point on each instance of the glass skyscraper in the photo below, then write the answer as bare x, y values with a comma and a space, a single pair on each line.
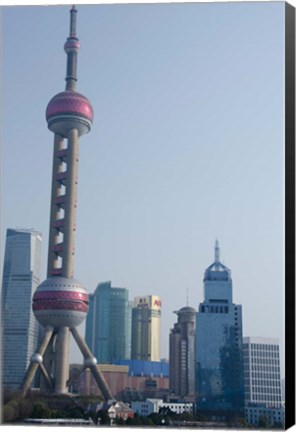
21, 277
108, 323
219, 362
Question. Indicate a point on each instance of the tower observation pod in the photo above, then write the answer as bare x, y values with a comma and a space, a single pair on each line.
60, 303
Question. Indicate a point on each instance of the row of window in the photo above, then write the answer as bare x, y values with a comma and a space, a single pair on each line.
215, 309
272, 389
267, 391
264, 355
260, 368
277, 415
276, 377
271, 373
264, 347
263, 398
269, 378
260, 388
255, 418
266, 361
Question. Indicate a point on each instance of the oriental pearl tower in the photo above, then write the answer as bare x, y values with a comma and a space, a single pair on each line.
60, 303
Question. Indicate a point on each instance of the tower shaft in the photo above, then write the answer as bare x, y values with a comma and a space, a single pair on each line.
63, 206
71, 203
56, 217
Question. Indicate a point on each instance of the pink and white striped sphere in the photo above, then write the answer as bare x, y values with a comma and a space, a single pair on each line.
68, 110
60, 302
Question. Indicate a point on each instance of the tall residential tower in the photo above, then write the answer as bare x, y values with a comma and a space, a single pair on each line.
182, 354
219, 362
60, 303
21, 276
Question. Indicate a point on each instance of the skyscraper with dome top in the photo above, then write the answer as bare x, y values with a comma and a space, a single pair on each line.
219, 360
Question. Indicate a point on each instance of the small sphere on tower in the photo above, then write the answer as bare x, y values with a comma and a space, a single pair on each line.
60, 302
90, 361
69, 110
72, 45
36, 358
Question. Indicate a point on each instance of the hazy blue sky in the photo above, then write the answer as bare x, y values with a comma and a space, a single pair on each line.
187, 146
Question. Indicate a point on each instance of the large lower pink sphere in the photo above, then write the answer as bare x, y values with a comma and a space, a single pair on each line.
60, 302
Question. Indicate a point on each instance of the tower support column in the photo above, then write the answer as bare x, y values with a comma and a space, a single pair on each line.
36, 359
90, 362
62, 360
48, 361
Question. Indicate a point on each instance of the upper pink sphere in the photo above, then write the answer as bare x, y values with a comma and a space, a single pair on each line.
69, 102
69, 109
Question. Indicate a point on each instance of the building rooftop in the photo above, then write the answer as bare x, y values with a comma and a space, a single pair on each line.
217, 270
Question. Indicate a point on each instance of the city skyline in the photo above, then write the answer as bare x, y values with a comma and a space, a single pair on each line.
178, 117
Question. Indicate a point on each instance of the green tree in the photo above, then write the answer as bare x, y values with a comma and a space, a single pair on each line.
263, 422
200, 417
11, 411
147, 421
120, 421
155, 418
102, 417
25, 408
136, 421
185, 416
40, 410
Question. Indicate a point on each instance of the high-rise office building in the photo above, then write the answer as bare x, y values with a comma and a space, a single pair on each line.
219, 362
182, 353
263, 386
60, 303
21, 276
108, 323
262, 371
146, 314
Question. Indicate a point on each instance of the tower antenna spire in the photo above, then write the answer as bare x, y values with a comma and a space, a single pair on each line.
71, 48
217, 252
73, 12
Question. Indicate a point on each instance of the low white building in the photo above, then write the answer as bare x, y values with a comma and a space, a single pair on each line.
150, 406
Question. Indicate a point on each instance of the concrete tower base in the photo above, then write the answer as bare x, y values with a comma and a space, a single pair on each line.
61, 382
